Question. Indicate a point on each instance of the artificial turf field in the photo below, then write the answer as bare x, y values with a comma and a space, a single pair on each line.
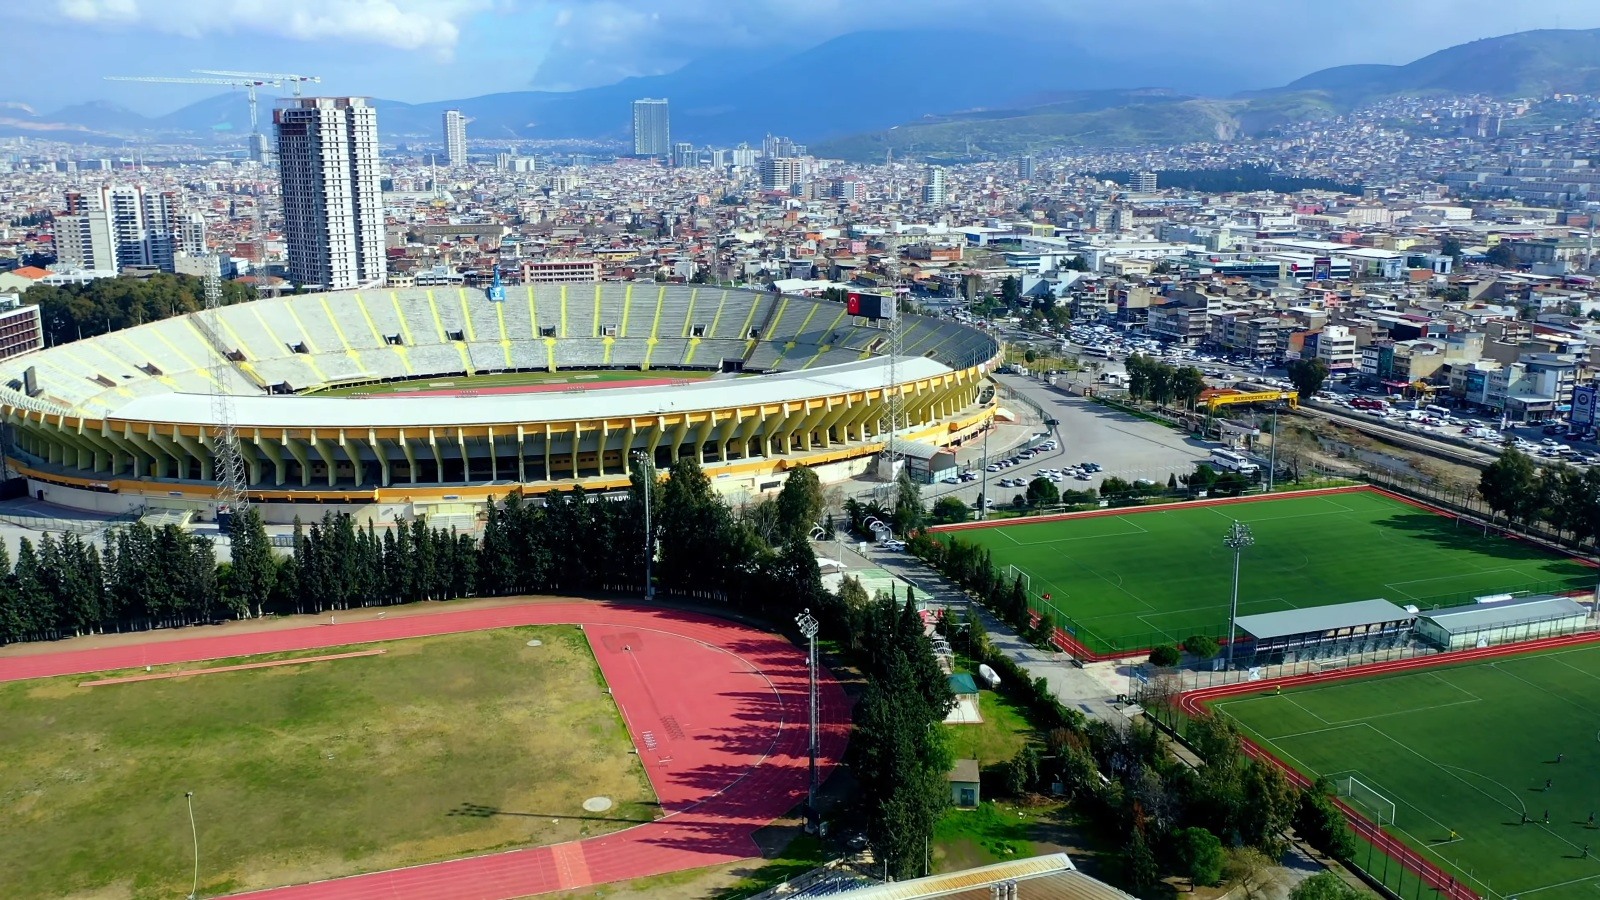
1463, 749
1132, 580
439, 748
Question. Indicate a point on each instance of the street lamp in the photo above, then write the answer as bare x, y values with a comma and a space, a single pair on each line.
1237, 539
808, 627
194, 892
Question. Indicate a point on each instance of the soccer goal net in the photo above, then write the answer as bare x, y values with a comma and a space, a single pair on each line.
1365, 800
1013, 573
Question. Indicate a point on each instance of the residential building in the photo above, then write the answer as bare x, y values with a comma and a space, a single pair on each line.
1336, 347
1025, 168
455, 138
685, 156
1182, 319
1143, 182
1247, 332
118, 226
780, 173
332, 198
652, 128
21, 328
560, 271
933, 190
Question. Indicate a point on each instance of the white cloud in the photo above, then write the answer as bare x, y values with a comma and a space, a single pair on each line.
433, 25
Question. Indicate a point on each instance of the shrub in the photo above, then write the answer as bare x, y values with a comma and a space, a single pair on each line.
1201, 646
1165, 656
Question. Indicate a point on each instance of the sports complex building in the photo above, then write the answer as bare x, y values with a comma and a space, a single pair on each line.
749, 383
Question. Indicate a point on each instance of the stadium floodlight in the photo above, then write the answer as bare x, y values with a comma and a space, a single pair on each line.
1237, 539
808, 627
648, 476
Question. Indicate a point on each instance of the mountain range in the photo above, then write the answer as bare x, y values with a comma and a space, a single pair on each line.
918, 92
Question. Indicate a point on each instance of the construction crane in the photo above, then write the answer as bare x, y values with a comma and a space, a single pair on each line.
294, 81
227, 460
258, 144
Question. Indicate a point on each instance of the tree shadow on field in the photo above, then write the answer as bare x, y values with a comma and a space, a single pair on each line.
480, 811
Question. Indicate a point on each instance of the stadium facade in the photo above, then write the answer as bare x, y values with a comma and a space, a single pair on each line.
123, 422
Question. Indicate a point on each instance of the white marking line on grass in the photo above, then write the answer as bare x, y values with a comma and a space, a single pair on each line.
1396, 585
1549, 886
1541, 688
1255, 519
1139, 529
1574, 668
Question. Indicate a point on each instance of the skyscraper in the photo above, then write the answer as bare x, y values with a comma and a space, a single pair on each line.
1025, 168
332, 199
652, 128
455, 137
933, 193
1144, 182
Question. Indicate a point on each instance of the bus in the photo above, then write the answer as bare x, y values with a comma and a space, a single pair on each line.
1233, 461
1097, 352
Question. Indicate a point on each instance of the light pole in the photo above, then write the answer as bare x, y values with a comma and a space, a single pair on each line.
194, 892
647, 475
1272, 467
1237, 539
808, 627
983, 480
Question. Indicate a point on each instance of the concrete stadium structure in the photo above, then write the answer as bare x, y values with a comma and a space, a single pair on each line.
123, 422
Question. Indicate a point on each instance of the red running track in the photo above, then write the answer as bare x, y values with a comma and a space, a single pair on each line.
716, 710
1194, 703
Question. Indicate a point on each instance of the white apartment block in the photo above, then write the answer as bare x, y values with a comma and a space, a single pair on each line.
118, 226
332, 198
455, 138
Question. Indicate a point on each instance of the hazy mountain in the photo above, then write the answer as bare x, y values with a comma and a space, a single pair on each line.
926, 91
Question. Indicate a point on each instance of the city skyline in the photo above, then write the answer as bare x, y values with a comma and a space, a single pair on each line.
418, 52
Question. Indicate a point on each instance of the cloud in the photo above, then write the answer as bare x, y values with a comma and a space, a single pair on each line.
433, 25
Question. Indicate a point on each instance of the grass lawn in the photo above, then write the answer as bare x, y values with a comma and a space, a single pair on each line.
994, 832
512, 379
441, 747
1001, 736
1463, 749
1129, 581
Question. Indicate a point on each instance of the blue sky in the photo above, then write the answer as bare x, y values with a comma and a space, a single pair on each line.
419, 50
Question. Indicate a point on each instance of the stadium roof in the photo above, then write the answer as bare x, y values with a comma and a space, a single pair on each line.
1049, 877
1484, 616
549, 406
1321, 618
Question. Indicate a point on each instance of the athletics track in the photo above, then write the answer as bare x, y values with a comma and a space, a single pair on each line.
716, 711
1194, 703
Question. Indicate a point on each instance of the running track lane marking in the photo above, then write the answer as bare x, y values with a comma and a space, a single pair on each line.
718, 829
184, 673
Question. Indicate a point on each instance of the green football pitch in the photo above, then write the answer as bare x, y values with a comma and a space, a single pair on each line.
1129, 581
1464, 751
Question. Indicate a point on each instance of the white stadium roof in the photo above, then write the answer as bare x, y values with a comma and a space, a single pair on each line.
399, 411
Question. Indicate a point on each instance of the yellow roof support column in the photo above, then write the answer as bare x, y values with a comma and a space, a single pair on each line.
296, 450
410, 454
382, 454
274, 452
325, 450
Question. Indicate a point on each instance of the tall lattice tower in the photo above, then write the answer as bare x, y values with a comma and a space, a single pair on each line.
894, 399
227, 461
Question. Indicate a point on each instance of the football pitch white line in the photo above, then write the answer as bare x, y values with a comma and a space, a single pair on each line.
1138, 529
1396, 585
1254, 519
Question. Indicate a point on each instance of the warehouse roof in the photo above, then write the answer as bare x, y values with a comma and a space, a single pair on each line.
1321, 618
552, 406
1483, 616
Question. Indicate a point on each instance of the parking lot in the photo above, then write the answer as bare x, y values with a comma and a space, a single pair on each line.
1112, 442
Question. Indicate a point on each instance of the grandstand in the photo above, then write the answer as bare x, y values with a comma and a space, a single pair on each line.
122, 422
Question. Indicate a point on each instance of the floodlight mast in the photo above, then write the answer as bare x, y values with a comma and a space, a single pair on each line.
1237, 539
808, 627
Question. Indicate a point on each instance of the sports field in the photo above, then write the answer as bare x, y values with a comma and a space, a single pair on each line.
1463, 751
437, 748
1132, 580
515, 382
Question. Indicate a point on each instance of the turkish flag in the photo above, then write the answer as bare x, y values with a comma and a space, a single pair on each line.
852, 303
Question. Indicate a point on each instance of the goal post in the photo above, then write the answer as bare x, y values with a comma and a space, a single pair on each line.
1013, 573
1366, 800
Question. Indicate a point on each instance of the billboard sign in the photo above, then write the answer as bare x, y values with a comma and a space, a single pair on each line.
1322, 268
1583, 399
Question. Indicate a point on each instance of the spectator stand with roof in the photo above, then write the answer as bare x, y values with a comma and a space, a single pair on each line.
1501, 621
1322, 632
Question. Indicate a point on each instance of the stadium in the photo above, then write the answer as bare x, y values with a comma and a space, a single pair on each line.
437, 399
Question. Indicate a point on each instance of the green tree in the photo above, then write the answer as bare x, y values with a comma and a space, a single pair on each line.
1200, 646
1165, 656
1307, 376
1043, 492
909, 513
254, 568
1010, 290
1509, 485
1501, 255
1322, 824
1188, 383
950, 509
800, 503
1450, 247
1324, 886
1199, 853
1139, 863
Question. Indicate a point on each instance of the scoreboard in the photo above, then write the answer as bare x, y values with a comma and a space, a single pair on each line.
869, 306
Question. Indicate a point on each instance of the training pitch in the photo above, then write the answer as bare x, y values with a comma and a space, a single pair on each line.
1130, 580
438, 747
1463, 753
